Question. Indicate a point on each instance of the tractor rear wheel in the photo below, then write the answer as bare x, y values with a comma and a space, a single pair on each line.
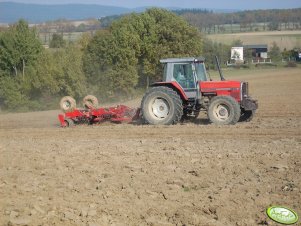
67, 104
90, 101
223, 110
161, 106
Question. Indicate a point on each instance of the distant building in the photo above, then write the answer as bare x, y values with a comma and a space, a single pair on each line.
297, 54
259, 54
258, 51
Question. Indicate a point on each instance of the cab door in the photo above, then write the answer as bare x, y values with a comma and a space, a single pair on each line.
184, 74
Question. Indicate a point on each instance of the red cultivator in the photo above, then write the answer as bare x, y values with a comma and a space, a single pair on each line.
92, 114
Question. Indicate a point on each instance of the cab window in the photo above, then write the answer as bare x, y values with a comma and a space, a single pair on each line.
201, 72
183, 74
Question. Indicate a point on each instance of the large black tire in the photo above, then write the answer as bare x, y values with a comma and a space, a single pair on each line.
67, 104
90, 102
246, 116
161, 106
223, 110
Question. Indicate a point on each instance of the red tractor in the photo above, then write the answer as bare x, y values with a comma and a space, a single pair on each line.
186, 90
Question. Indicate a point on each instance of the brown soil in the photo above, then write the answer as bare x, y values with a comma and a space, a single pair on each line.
189, 174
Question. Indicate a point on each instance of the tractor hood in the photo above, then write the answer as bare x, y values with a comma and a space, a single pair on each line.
208, 86
222, 88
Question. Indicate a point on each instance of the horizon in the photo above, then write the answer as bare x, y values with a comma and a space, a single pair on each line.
203, 4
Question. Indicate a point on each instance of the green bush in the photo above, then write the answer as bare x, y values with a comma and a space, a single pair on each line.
11, 97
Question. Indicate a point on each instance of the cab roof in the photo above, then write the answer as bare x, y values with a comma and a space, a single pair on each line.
183, 60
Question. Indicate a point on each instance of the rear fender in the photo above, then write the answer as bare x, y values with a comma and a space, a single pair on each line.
173, 85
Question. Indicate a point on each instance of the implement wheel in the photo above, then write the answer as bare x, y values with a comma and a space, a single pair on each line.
90, 102
161, 106
224, 110
67, 104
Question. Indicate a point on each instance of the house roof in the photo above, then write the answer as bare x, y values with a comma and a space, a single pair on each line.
259, 46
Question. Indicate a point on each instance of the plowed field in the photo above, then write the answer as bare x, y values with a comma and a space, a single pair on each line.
187, 174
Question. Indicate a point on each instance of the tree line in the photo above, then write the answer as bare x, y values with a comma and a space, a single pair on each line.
206, 21
272, 19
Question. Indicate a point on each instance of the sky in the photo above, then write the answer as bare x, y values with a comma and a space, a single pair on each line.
208, 4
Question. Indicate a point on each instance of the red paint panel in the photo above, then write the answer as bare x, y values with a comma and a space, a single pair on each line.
220, 84
222, 88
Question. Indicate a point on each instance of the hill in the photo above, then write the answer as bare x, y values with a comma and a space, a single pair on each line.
11, 12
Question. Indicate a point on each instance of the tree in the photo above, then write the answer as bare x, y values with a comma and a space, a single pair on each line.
84, 41
19, 47
248, 54
107, 61
237, 43
273, 18
212, 49
166, 35
288, 54
59, 73
132, 46
11, 96
57, 41
56, 73
275, 53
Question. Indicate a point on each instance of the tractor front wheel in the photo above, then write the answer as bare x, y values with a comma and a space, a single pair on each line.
161, 106
224, 110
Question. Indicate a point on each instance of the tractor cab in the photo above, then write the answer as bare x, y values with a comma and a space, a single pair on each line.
187, 72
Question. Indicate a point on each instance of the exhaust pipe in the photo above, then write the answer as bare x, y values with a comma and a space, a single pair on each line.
219, 68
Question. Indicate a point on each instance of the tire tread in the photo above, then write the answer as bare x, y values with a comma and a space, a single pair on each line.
175, 98
232, 102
